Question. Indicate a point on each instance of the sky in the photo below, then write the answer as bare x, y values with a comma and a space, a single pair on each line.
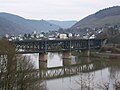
55, 9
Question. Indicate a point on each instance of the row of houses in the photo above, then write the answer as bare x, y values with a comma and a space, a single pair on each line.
51, 36
39, 36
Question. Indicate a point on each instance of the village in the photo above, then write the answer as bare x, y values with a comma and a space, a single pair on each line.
40, 36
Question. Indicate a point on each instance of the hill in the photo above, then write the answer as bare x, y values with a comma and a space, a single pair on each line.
7, 26
42, 25
63, 24
102, 18
13, 24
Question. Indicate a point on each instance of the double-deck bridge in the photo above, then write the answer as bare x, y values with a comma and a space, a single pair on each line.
62, 45
42, 46
65, 46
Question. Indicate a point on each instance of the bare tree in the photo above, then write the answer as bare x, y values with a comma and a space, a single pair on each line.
16, 71
7, 65
104, 86
117, 85
85, 81
27, 76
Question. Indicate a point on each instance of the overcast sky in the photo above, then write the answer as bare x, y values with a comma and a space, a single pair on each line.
55, 9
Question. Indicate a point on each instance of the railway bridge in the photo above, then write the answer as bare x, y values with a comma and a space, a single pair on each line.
66, 46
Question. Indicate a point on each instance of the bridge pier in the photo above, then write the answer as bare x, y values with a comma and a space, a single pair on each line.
66, 55
66, 58
42, 60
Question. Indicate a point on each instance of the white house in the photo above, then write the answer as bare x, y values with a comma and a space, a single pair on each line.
70, 35
63, 36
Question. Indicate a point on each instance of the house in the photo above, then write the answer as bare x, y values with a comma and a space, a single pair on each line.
63, 36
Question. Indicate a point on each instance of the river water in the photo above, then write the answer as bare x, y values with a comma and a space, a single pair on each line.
94, 79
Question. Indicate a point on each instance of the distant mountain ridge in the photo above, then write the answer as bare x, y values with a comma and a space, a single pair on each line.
13, 24
63, 24
42, 25
8, 27
107, 16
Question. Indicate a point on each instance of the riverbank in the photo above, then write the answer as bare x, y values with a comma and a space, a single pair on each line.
105, 55
109, 51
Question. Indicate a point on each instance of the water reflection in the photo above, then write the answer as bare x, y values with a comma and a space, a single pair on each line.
100, 71
33, 58
92, 80
54, 60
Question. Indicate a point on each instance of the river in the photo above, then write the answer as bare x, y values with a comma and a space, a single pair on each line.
95, 78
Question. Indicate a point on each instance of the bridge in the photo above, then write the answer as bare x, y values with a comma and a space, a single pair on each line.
66, 46
42, 46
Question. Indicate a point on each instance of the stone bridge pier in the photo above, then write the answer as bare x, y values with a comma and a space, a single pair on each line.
43, 57
43, 60
66, 58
